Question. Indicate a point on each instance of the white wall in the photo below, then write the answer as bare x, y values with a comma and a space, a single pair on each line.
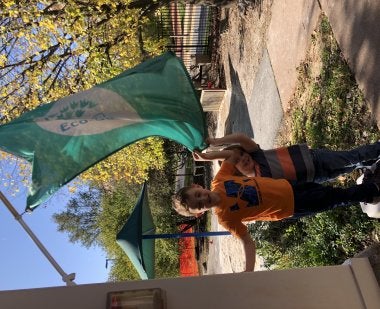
345, 286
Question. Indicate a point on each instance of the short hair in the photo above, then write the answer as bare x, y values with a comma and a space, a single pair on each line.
180, 202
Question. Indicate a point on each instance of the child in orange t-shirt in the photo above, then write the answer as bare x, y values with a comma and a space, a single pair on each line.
295, 162
238, 199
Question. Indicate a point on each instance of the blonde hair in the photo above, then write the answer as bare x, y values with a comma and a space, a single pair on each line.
180, 202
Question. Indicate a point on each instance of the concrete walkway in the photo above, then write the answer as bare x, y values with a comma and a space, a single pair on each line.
259, 113
289, 34
356, 28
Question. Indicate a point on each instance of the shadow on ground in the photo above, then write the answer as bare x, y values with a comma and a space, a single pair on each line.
238, 119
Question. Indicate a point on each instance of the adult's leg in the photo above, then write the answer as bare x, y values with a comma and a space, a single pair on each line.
330, 164
311, 198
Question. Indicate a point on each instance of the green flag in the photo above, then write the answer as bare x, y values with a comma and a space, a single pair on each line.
63, 138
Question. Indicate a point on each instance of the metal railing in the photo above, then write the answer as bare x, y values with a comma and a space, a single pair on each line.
188, 28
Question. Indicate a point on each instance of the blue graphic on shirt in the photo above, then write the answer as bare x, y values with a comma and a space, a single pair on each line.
232, 188
234, 207
246, 193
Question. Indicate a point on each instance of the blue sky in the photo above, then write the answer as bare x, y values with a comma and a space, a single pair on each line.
24, 266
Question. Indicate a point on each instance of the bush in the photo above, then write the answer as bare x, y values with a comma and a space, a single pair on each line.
335, 116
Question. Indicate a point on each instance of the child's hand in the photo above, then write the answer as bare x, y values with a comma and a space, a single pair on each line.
199, 156
213, 155
211, 140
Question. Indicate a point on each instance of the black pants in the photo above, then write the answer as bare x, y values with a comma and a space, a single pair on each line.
311, 198
330, 164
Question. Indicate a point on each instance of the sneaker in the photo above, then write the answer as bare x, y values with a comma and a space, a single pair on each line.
372, 174
367, 176
376, 172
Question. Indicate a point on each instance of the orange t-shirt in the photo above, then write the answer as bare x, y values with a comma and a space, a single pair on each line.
250, 198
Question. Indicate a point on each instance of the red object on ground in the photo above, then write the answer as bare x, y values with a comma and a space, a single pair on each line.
187, 262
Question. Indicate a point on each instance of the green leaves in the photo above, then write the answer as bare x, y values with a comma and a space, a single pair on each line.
62, 48
79, 219
334, 113
324, 239
329, 111
95, 215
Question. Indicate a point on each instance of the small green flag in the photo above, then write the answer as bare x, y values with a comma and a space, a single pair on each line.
64, 138
140, 251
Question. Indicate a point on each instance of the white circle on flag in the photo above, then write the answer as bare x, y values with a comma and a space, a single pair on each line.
89, 112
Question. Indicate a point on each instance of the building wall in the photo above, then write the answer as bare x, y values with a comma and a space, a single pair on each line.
345, 286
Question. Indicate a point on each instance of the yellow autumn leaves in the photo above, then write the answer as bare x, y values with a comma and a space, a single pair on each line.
52, 49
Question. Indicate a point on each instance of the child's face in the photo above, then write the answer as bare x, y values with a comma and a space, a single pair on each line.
245, 164
200, 200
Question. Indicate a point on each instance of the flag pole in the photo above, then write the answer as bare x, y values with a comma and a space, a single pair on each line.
68, 278
184, 235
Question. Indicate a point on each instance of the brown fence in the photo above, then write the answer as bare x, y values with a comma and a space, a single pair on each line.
189, 30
